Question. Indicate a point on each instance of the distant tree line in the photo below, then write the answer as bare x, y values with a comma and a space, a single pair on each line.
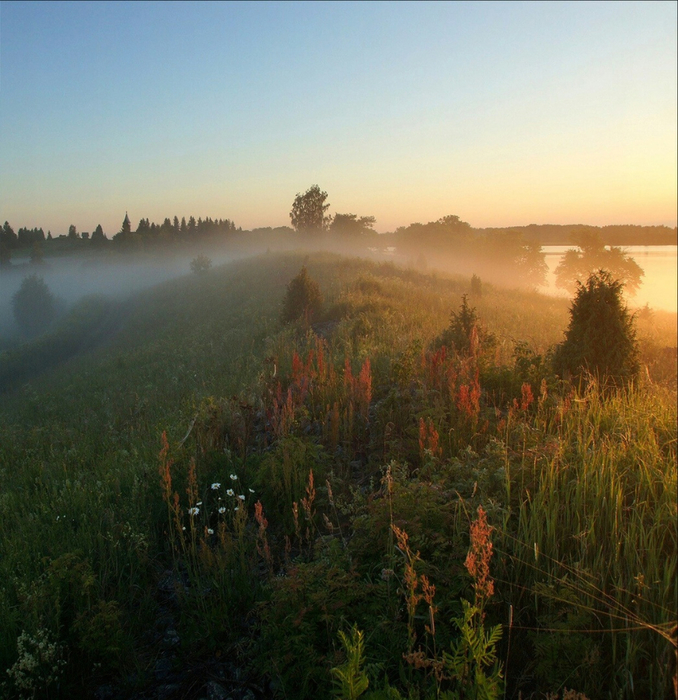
147, 232
452, 239
615, 235
173, 230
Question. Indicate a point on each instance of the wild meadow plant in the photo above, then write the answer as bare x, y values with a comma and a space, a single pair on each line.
342, 434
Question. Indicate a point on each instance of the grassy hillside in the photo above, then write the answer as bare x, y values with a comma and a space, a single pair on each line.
362, 450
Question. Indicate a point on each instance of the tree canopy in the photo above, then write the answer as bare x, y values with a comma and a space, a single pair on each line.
578, 264
352, 224
308, 211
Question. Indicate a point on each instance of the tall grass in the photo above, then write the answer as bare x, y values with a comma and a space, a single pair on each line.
581, 488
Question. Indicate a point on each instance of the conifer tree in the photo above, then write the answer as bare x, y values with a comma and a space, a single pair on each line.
601, 337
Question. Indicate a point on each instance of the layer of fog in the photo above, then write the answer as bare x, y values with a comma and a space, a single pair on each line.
118, 276
121, 274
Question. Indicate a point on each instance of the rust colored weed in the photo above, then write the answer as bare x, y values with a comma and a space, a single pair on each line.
478, 558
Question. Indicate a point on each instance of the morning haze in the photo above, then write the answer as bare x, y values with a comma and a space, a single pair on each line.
338, 350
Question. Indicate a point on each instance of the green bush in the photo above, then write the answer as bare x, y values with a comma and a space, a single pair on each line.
33, 306
601, 337
303, 298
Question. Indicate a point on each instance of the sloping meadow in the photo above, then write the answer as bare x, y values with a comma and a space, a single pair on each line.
271, 486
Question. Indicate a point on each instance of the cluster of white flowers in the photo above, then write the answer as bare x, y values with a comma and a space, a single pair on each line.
40, 663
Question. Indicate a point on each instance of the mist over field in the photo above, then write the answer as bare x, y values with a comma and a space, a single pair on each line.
70, 278
338, 351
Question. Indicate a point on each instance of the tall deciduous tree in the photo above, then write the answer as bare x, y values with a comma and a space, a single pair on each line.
308, 211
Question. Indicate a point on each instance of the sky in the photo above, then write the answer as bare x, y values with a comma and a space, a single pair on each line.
503, 114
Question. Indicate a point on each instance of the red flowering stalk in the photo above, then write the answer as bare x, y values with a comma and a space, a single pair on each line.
164, 469
428, 438
348, 374
262, 544
364, 388
307, 502
478, 558
297, 368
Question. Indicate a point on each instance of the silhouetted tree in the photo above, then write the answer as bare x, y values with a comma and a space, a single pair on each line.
476, 286
308, 211
98, 236
33, 306
7, 235
577, 265
72, 232
351, 224
303, 298
201, 264
601, 337
26, 237
144, 226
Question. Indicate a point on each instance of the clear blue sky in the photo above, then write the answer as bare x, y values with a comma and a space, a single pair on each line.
500, 113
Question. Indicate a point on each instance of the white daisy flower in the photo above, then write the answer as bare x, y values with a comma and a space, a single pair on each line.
234, 477
241, 496
210, 531
216, 486
222, 510
193, 511
230, 492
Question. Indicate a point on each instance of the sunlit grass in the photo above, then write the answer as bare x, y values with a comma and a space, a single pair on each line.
585, 488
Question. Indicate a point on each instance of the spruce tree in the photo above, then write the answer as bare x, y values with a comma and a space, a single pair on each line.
601, 338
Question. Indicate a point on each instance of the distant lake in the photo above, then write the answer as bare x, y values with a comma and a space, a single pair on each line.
659, 286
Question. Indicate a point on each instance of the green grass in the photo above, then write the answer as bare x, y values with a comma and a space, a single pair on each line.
582, 490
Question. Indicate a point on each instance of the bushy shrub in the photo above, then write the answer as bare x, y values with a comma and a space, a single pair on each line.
303, 298
200, 264
465, 335
601, 337
33, 306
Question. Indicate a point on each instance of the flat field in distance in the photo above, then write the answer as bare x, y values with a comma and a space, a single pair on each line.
299, 455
